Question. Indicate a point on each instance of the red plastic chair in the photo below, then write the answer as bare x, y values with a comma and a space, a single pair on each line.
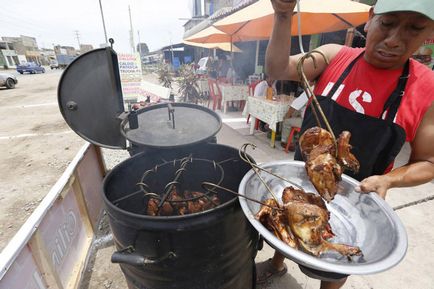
215, 94
252, 87
294, 129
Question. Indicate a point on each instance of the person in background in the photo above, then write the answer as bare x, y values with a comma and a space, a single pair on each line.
212, 67
262, 86
261, 91
223, 67
296, 108
378, 90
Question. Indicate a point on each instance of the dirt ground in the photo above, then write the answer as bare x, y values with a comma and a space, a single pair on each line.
36, 147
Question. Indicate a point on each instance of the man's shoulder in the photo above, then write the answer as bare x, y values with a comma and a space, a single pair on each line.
333, 51
422, 74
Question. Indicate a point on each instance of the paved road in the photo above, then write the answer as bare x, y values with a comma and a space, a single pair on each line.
36, 147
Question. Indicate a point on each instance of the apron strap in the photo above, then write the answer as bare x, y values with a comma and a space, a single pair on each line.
344, 75
394, 100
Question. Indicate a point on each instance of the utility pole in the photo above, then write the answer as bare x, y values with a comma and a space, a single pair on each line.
77, 35
131, 32
140, 45
171, 48
103, 23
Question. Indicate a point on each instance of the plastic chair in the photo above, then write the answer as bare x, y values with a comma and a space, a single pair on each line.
294, 129
215, 94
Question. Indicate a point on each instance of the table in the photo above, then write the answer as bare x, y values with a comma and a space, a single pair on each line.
269, 111
233, 93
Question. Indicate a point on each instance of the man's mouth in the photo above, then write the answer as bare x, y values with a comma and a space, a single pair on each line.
386, 55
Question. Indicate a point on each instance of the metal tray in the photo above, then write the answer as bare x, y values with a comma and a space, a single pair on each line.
363, 220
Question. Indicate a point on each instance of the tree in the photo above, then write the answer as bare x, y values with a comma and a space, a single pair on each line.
165, 75
188, 87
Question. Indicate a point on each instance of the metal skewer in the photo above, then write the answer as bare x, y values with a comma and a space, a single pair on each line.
205, 184
309, 91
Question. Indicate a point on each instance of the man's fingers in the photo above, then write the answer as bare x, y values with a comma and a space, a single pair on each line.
364, 188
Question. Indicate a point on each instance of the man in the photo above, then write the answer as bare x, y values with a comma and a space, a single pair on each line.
261, 87
261, 91
298, 105
379, 94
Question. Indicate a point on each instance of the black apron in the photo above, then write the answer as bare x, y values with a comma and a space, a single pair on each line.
376, 142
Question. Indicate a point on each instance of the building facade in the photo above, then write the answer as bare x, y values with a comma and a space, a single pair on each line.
27, 46
8, 55
85, 48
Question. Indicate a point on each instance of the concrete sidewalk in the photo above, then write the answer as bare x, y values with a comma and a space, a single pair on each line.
414, 206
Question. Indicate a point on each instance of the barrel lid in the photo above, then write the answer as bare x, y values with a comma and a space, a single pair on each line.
170, 125
90, 98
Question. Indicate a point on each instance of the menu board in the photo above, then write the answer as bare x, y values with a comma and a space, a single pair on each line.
130, 70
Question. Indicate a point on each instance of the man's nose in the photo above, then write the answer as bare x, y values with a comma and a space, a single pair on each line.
394, 38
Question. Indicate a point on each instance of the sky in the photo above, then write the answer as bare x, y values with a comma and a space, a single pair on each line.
158, 23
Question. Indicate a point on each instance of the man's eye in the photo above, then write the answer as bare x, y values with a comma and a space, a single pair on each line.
386, 23
417, 28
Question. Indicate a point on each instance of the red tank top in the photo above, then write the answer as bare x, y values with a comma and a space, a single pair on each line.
366, 88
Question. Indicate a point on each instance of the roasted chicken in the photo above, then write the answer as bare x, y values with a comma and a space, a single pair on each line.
187, 203
302, 223
324, 165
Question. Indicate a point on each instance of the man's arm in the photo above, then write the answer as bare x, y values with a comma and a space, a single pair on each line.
420, 168
279, 47
297, 104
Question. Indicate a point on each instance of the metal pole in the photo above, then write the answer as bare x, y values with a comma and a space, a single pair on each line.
140, 46
257, 55
103, 23
133, 49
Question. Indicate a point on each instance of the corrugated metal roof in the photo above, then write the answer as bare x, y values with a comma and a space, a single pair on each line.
219, 14
229, 10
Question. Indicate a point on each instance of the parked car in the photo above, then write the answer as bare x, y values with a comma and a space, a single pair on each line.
8, 80
30, 67
54, 64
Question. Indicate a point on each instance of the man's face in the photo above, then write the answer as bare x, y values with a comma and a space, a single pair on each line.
393, 37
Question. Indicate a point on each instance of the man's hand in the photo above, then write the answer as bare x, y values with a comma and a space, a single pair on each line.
289, 113
283, 7
377, 184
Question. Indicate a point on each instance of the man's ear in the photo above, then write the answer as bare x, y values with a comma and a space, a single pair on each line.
371, 15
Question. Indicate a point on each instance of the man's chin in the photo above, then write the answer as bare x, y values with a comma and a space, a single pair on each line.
382, 64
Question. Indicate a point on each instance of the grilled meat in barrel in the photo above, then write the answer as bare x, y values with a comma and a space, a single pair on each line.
303, 223
324, 165
177, 204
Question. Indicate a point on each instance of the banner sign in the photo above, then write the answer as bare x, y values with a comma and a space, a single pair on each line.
130, 70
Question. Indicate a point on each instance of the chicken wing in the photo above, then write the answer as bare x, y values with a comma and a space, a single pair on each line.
345, 158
